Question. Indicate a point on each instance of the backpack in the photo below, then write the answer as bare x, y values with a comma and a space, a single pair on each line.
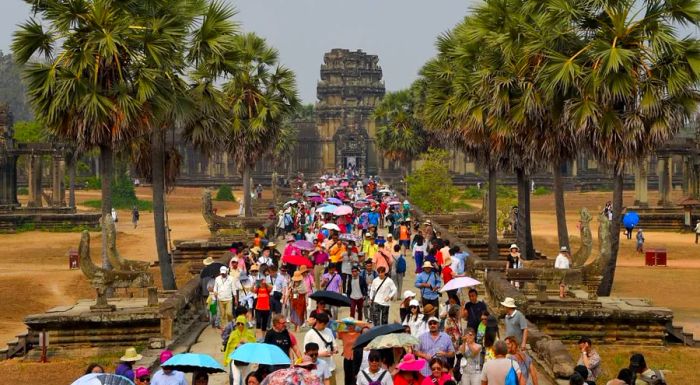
400, 265
369, 380
512, 376
656, 379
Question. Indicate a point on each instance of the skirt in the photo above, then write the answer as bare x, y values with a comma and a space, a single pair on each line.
298, 313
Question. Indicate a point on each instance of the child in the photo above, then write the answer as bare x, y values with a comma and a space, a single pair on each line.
211, 303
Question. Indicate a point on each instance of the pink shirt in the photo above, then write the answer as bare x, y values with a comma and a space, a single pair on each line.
429, 380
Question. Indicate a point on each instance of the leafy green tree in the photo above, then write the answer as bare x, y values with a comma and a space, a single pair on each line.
29, 131
430, 186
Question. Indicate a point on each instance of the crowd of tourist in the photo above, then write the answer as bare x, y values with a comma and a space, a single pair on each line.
353, 239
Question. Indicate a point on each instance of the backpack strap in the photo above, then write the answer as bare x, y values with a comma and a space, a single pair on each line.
381, 376
369, 380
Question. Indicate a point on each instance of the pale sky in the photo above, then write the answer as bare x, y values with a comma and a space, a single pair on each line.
401, 32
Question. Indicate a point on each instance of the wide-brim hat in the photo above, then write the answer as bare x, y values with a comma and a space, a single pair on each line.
305, 361
509, 302
409, 363
255, 250
428, 309
271, 244
302, 269
427, 264
514, 246
564, 248
208, 261
130, 355
297, 276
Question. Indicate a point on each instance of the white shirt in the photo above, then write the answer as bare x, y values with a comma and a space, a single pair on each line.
312, 336
362, 380
382, 294
223, 288
562, 262
322, 370
417, 326
175, 377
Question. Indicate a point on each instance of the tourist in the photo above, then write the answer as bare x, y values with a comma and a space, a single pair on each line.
279, 336
624, 377
589, 358
234, 335
640, 241
382, 258
642, 374
439, 372
166, 376
94, 368
349, 335
409, 371
320, 308
697, 231
491, 335
357, 291
481, 329
447, 272
516, 324
527, 367
262, 306
350, 259
399, 267
429, 284
324, 338
404, 235
126, 363
368, 274
142, 376
297, 297
434, 343
223, 290
253, 378
135, 216
474, 310
414, 319
381, 292
321, 369
583, 371
514, 262
470, 364
279, 282
332, 281
374, 374
576, 379
406, 299
420, 248
451, 321
200, 378
494, 371
563, 261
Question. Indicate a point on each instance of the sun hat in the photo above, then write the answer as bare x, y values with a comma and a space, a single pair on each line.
223, 269
141, 372
390, 235
302, 269
563, 248
368, 235
255, 267
165, 355
255, 250
208, 261
234, 259
130, 355
409, 363
297, 276
408, 294
414, 302
509, 302
514, 246
306, 361
428, 309
431, 319
427, 264
271, 244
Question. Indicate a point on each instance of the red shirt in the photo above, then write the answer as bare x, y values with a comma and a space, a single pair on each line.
446, 274
263, 298
400, 380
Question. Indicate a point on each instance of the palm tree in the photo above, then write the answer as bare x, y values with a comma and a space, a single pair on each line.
400, 133
635, 81
259, 95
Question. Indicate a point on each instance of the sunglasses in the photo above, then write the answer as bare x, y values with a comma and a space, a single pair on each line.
238, 323
145, 379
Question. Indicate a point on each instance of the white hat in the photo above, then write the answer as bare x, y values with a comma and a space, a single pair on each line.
414, 302
390, 235
509, 302
514, 246
223, 269
431, 319
427, 264
408, 294
563, 248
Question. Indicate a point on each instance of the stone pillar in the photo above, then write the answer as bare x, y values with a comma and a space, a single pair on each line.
34, 167
57, 186
665, 181
641, 197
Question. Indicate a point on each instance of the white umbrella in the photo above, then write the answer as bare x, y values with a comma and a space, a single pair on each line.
331, 226
327, 209
458, 283
292, 202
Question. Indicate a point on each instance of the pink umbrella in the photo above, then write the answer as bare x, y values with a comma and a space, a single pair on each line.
342, 210
303, 245
344, 184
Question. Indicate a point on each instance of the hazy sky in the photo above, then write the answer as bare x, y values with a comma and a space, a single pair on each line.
401, 32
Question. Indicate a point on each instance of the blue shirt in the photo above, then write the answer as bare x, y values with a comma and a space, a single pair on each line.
125, 370
462, 258
174, 378
430, 346
373, 218
433, 279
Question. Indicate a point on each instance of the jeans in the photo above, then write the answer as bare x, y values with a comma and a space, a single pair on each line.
356, 305
399, 282
380, 314
276, 302
367, 310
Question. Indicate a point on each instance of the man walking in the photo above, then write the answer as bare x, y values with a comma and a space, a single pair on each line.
223, 290
429, 283
562, 262
434, 343
474, 309
135, 216
382, 291
697, 231
368, 275
357, 291
516, 324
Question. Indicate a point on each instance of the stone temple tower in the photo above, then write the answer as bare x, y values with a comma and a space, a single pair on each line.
350, 87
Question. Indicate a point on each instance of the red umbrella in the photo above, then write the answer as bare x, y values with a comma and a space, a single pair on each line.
297, 260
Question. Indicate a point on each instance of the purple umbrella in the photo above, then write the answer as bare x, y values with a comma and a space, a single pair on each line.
315, 199
303, 245
335, 201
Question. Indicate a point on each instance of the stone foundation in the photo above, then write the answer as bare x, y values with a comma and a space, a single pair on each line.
49, 219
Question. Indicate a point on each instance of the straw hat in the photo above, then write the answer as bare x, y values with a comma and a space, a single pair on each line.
509, 302
306, 361
302, 269
208, 261
297, 276
255, 250
130, 355
271, 244
409, 363
427, 264
428, 309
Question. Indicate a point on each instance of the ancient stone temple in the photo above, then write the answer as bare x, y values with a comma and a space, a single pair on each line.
350, 87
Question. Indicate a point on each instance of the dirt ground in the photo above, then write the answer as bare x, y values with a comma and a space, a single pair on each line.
40, 259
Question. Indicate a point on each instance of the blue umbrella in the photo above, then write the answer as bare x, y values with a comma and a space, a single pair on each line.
327, 209
193, 362
630, 219
257, 353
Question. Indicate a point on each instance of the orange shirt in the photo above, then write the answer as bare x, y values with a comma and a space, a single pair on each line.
336, 252
403, 233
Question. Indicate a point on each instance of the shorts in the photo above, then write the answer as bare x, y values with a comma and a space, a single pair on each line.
406, 244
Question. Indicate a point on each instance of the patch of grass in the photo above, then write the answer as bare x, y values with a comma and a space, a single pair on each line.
22, 191
506, 192
143, 205
541, 191
27, 226
461, 205
472, 192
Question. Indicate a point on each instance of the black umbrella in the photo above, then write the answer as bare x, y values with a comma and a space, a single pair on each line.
375, 332
211, 271
331, 298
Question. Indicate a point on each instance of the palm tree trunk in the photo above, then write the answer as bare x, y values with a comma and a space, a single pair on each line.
247, 202
562, 231
106, 174
605, 288
493, 214
72, 164
524, 235
158, 188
